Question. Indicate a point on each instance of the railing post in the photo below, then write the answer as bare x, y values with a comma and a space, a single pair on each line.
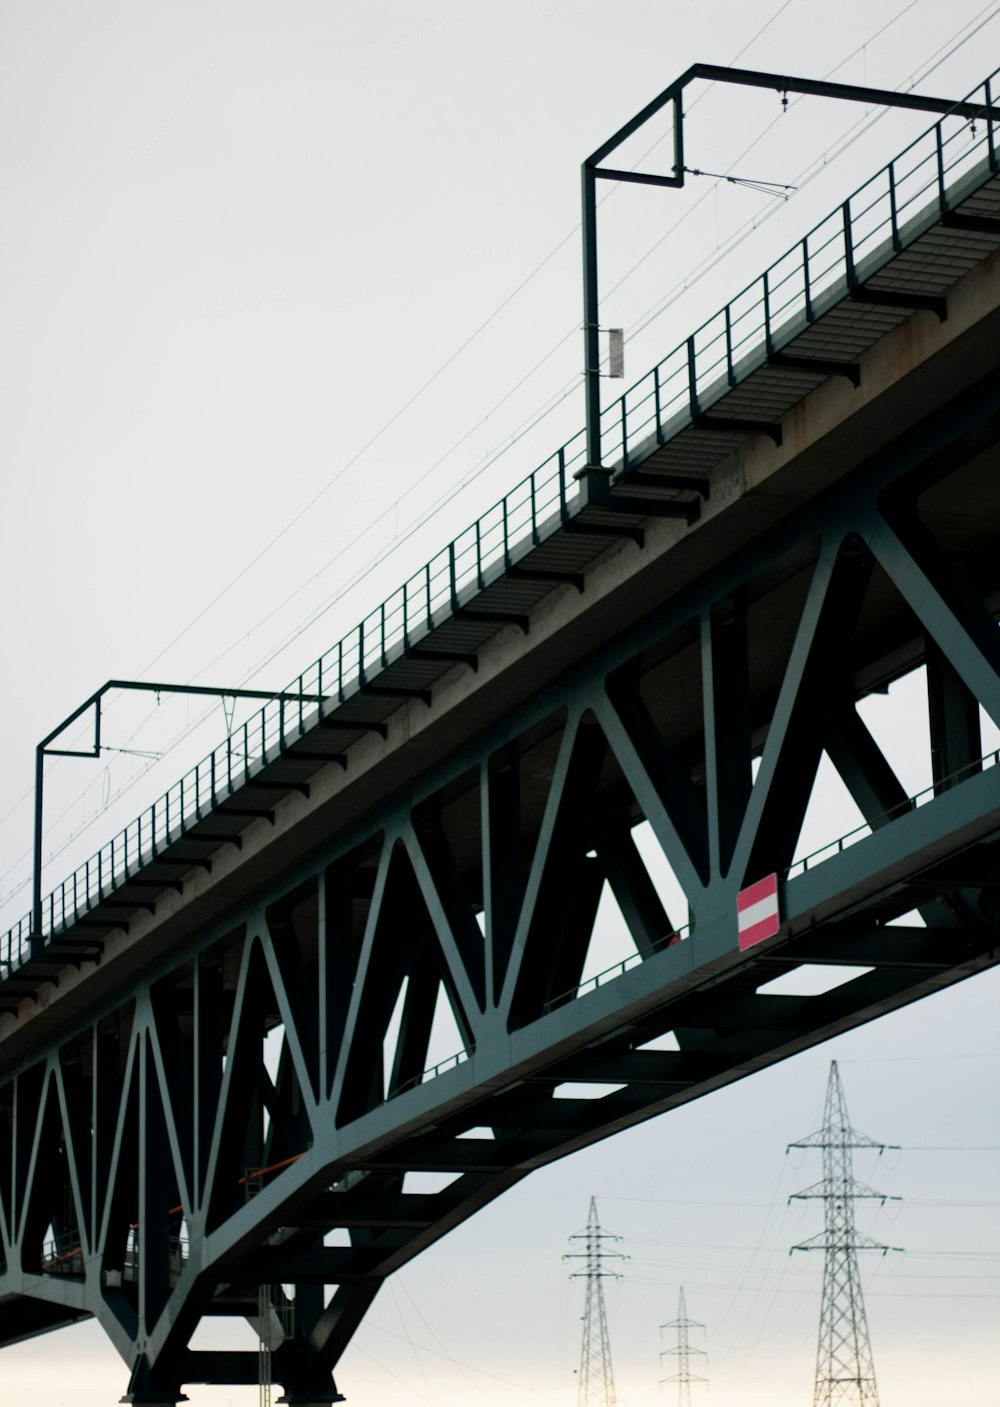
452, 582
534, 512
893, 210
730, 372
768, 343
563, 508
852, 277
302, 707
382, 630
506, 533
939, 143
656, 403
340, 670
430, 613
406, 614
805, 279
990, 140
197, 791
624, 437
361, 653
692, 380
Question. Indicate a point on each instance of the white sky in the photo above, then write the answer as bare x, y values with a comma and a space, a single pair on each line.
237, 239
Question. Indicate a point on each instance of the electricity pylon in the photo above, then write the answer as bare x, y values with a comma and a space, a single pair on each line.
845, 1372
596, 1387
682, 1352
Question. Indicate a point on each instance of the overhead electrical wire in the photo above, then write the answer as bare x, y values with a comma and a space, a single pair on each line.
532, 422
425, 385
802, 178
510, 441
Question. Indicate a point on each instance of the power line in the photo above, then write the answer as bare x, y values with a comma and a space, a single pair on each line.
557, 397
484, 1372
801, 180
652, 313
463, 346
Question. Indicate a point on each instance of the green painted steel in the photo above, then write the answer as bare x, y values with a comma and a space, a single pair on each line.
153, 1171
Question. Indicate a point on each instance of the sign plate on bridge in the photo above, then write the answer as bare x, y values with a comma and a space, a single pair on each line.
757, 915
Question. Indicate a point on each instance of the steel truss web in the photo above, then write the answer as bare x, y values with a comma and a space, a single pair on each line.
127, 1146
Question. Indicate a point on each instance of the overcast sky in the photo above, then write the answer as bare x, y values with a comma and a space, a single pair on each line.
289, 291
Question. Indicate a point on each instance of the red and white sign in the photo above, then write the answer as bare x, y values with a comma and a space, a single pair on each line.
757, 915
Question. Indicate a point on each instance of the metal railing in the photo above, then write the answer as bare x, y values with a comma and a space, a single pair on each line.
911, 803
886, 214
63, 1255
617, 969
878, 221
522, 519
432, 1071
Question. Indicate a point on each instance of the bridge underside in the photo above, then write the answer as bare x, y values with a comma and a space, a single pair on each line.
237, 1095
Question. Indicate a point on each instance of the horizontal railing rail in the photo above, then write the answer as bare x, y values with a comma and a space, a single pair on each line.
617, 969
847, 246
432, 1071
911, 803
879, 220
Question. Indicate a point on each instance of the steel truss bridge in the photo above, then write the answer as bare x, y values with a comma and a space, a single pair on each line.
805, 506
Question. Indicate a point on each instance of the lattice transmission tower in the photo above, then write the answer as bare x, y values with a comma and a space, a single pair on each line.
596, 1387
682, 1351
845, 1372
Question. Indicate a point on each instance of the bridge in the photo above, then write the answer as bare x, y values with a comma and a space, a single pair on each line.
796, 507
